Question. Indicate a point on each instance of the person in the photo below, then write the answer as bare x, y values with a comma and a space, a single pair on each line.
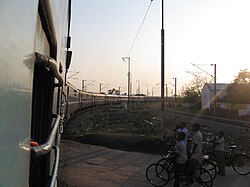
177, 130
186, 131
219, 152
181, 157
196, 151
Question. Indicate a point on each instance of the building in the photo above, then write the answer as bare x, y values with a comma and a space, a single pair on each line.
207, 96
207, 100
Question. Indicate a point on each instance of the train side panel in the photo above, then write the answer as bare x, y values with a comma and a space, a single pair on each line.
24, 34
18, 32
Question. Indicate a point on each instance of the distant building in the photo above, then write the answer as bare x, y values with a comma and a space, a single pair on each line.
207, 100
207, 96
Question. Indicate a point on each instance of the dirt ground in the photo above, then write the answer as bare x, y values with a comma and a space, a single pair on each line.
84, 165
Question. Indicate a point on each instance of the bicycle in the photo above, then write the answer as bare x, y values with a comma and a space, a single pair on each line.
210, 165
240, 162
161, 173
207, 163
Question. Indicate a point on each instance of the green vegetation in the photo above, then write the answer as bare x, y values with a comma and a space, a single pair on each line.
137, 128
239, 90
133, 127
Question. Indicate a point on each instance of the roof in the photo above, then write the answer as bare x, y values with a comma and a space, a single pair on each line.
219, 86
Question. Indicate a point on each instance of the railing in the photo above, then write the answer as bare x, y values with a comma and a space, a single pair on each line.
50, 63
47, 147
55, 167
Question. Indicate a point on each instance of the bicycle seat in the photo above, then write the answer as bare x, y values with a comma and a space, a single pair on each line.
232, 146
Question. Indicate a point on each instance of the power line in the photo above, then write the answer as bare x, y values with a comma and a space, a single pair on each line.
140, 28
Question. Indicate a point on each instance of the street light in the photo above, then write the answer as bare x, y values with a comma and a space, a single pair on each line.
124, 59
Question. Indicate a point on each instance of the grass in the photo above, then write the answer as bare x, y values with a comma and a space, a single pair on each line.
124, 128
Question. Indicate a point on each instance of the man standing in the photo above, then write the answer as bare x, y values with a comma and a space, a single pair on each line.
196, 150
219, 152
185, 130
181, 157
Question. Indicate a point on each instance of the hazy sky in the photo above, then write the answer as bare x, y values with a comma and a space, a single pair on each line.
198, 31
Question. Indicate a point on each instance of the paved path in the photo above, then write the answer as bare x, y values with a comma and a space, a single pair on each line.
83, 165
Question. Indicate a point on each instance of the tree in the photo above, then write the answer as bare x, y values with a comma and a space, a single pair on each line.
114, 92
243, 77
239, 90
195, 86
192, 92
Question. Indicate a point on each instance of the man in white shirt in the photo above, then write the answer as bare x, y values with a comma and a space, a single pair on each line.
196, 148
219, 152
196, 151
181, 157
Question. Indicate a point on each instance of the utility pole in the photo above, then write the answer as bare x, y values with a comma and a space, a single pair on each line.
124, 59
138, 89
147, 89
83, 85
162, 69
175, 87
101, 87
215, 100
166, 90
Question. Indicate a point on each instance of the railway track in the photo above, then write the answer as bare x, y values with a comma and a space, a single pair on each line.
208, 118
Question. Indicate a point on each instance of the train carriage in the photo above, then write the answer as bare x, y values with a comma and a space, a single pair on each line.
35, 56
99, 99
73, 101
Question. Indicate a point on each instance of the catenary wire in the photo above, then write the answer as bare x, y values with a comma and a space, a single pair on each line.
140, 28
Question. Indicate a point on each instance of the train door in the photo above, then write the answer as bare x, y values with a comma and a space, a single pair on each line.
47, 82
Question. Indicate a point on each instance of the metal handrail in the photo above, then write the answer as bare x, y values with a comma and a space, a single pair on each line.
47, 146
50, 63
55, 168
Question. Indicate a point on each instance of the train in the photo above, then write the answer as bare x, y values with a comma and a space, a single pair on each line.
35, 57
35, 97
80, 101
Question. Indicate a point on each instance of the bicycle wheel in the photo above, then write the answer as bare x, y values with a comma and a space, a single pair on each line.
169, 165
204, 177
157, 175
241, 164
210, 166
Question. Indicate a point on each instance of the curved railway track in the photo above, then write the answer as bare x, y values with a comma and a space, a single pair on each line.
208, 118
